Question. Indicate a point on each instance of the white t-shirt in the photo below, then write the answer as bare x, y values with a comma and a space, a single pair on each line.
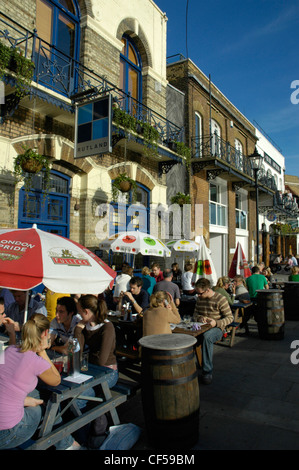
121, 284
186, 280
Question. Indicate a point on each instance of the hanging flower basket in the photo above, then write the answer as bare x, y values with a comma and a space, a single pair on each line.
27, 164
124, 184
31, 166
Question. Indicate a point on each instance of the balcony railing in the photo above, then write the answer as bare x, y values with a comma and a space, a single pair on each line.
284, 203
68, 77
213, 147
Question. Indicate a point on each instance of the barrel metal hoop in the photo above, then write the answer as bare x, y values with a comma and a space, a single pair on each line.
179, 360
166, 352
178, 381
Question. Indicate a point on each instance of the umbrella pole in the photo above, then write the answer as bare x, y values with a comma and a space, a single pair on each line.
26, 306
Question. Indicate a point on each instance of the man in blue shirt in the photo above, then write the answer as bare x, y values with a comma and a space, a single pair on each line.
16, 310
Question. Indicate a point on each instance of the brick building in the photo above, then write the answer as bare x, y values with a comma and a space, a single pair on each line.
84, 50
222, 179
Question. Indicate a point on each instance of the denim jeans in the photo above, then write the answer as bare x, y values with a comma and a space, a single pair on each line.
111, 381
25, 429
207, 340
21, 432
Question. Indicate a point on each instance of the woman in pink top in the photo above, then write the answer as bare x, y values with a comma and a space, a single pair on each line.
20, 368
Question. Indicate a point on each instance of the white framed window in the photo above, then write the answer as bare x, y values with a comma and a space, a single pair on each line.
218, 204
241, 211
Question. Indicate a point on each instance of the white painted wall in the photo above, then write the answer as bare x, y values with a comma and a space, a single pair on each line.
110, 13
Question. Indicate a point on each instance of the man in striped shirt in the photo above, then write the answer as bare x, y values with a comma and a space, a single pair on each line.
213, 308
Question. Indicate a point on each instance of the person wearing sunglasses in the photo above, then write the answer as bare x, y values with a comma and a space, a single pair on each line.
213, 308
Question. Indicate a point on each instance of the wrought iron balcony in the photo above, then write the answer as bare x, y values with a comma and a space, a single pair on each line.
286, 205
212, 151
67, 77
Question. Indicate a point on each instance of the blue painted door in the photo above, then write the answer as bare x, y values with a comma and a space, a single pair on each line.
49, 212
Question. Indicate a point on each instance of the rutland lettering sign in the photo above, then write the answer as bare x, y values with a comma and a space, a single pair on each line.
93, 128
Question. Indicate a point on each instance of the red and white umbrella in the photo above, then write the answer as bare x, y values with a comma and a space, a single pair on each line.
239, 264
29, 257
135, 242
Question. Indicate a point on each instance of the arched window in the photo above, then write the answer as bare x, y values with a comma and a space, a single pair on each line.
57, 24
130, 72
129, 216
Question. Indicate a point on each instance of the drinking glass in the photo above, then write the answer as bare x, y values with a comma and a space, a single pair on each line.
84, 361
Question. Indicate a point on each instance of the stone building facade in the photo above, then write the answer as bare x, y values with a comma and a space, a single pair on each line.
83, 50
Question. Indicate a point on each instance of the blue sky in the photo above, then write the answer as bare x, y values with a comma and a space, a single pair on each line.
250, 49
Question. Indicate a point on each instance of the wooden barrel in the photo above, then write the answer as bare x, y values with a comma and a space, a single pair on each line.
270, 314
170, 390
291, 300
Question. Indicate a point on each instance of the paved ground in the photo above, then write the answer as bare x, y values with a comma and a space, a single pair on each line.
252, 403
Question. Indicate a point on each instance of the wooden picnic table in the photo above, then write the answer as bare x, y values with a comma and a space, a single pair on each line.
183, 329
238, 312
64, 396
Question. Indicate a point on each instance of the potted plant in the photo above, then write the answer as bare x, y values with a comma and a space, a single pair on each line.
124, 184
23, 68
5, 53
185, 152
181, 199
27, 164
151, 136
124, 119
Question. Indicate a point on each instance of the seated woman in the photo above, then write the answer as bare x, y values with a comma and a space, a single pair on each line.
240, 290
98, 333
161, 312
148, 281
294, 276
268, 275
20, 369
222, 286
176, 272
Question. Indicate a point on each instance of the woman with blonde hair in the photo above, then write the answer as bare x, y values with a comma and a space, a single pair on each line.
268, 275
294, 276
221, 287
20, 369
161, 312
